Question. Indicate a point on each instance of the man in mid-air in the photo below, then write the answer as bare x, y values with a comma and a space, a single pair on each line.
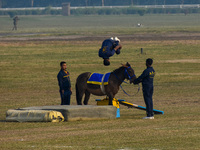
109, 48
64, 84
147, 86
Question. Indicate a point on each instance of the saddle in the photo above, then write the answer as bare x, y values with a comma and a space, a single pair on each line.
99, 79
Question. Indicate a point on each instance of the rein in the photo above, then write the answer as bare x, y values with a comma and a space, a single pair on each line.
130, 77
129, 94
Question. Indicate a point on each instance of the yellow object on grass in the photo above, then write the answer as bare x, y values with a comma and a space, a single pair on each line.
105, 101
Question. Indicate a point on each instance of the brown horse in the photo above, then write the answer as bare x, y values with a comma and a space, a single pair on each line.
115, 80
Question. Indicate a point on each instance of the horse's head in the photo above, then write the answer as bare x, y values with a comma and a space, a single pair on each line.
129, 72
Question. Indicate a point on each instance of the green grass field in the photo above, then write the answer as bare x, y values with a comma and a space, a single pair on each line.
90, 25
28, 71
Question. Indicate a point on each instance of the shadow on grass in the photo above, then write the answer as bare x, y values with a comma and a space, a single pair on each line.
2, 120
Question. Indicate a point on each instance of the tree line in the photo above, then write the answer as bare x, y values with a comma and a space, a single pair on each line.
58, 3
102, 11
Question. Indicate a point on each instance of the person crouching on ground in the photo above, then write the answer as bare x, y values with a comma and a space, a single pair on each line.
147, 86
109, 48
64, 84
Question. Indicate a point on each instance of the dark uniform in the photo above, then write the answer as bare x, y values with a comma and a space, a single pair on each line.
64, 84
15, 20
147, 85
107, 49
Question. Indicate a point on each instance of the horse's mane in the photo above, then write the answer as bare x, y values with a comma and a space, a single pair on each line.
118, 70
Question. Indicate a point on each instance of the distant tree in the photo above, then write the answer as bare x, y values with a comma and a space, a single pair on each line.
182, 2
132, 2
57, 3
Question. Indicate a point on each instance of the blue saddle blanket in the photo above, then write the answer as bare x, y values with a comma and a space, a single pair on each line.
96, 78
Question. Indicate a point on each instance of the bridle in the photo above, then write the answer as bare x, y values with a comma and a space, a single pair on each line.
126, 73
129, 78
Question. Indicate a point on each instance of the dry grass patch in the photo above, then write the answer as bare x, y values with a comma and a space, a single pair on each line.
183, 61
28, 78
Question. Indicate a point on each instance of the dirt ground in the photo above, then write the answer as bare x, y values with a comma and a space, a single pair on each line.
135, 37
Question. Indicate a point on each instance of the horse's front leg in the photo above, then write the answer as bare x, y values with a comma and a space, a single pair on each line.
110, 99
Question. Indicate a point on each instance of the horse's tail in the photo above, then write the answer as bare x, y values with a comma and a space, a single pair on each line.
81, 86
77, 95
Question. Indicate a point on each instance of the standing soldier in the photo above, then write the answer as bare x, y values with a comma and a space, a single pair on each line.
64, 84
15, 20
147, 86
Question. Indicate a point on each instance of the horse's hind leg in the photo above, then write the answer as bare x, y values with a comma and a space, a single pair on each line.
79, 95
79, 98
87, 96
